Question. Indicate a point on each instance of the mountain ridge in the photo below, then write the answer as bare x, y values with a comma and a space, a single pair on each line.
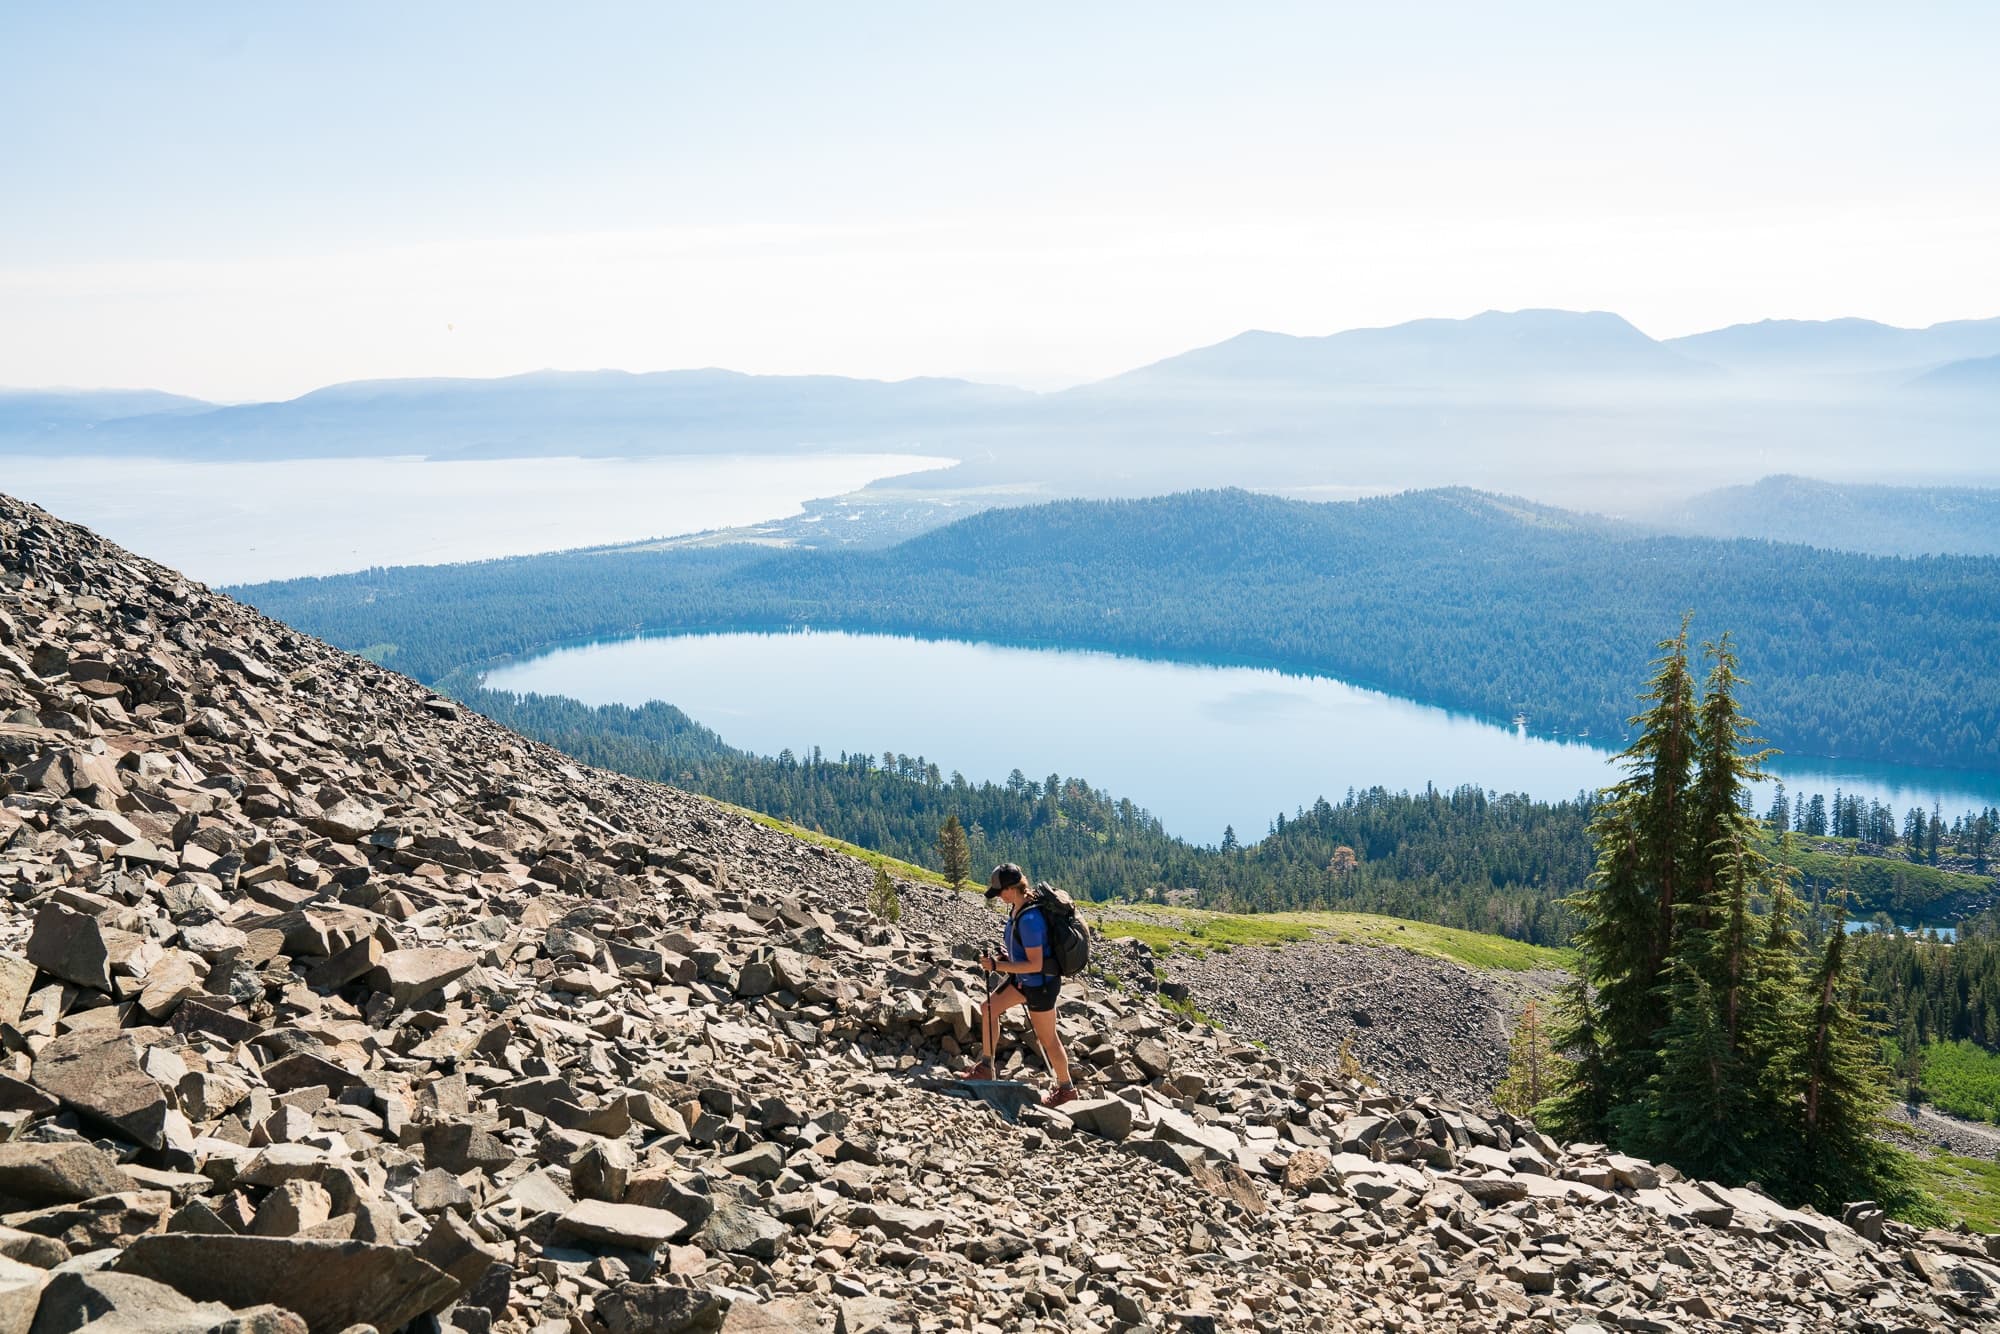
1483, 349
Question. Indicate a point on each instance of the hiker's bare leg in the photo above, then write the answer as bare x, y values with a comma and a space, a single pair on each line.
1052, 1048
996, 1005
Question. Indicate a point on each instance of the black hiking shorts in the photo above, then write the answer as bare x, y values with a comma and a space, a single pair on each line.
1041, 998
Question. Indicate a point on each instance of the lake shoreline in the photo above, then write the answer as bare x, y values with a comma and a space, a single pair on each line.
1335, 710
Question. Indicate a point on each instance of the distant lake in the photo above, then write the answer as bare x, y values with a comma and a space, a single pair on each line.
1201, 747
232, 523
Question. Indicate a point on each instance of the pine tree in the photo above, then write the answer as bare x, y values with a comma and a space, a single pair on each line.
953, 854
1845, 1090
1771, 1037
1627, 908
1534, 1066
883, 901
1725, 768
1581, 1103
1695, 1114
1696, 1039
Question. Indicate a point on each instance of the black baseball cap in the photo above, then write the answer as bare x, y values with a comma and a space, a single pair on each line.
1005, 876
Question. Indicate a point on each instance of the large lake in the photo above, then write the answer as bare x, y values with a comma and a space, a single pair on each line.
1201, 747
233, 522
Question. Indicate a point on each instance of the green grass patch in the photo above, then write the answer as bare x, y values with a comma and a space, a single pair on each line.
1187, 1009
379, 653
1967, 1188
1963, 1079
902, 870
1195, 931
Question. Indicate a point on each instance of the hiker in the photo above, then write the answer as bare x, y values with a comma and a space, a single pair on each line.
1032, 981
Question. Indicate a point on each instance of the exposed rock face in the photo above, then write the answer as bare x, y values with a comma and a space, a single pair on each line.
402, 1018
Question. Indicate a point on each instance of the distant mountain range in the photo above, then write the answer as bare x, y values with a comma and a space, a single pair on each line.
1529, 349
1876, 520
26, 413
1979, 375
1839, 347
543, 412
1579, 408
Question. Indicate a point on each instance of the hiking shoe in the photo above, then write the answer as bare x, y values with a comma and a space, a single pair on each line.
984, 1070
1063, 1093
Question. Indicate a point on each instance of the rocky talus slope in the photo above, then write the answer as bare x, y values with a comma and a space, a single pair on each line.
1419, 1023
324, 1006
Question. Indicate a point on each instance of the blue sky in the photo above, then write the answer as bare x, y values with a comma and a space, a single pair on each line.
243, 201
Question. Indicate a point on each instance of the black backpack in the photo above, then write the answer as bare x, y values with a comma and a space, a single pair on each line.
1068, 952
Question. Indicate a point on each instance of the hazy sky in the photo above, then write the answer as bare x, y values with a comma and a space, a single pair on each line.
250, 201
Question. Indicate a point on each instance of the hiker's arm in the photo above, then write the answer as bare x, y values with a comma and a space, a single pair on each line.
1033, 965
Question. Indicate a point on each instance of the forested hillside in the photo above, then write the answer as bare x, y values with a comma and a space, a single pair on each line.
1939, 1004
1493, 863
1452, 597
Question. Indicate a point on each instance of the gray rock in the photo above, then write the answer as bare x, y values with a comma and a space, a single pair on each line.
456, 1251
438, 1190
17, 983
1110, 1118
793, 1316
292, 1208
20, 1295
633, 1226
97, 1072
332, 1284
762, 1163
408, 975
657, 1308
59, 1173
741, 1228
115, 1303
71, 946
31, 1248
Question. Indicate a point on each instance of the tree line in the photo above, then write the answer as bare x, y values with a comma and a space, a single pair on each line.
1501, 863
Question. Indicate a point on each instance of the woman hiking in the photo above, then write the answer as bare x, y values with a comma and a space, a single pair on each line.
1030, 982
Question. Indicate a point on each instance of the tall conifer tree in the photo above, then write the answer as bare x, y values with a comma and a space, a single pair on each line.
1627, 907
1695, 1038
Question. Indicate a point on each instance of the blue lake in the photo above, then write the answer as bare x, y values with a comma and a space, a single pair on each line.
1201, 747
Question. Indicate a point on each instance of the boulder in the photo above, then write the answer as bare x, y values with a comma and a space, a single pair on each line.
97, 1071
1110, 1118
741, 1228
17, 983
633, 1226
332, 1284
59, 1173
347, 820
454, 1249
178, 975
408, 975
110, 1303
658, 1308
790, 1316
71, 946
20, 1294
292, 1208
